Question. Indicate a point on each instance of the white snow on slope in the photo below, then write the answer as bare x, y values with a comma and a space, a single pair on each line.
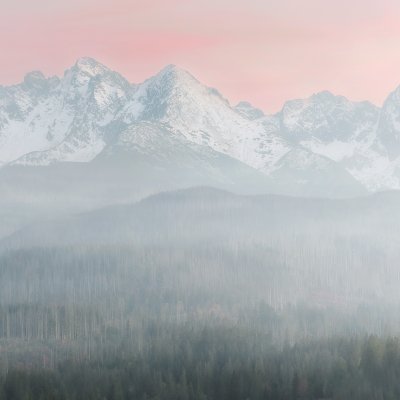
74, 118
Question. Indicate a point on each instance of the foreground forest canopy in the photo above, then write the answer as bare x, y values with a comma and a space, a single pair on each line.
204, 294
221, 364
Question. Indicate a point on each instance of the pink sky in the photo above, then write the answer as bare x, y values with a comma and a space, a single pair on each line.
263, 51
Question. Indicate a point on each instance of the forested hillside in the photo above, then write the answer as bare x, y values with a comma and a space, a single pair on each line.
203, 294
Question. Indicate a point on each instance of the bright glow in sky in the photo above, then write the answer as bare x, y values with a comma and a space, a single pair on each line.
263, 51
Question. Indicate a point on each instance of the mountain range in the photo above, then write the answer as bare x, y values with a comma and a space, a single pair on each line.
172, 131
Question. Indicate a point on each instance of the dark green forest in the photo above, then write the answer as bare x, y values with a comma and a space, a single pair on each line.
201, 294
220, 363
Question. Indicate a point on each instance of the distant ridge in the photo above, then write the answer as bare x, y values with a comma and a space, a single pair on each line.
323, 145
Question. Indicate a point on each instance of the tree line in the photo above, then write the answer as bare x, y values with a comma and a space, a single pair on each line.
218, 363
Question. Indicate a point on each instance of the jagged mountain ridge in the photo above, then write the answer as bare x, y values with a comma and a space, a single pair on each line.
84, 114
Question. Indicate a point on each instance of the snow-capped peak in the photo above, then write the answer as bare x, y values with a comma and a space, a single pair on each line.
90, 66
172, 70
175, 98
172, 80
